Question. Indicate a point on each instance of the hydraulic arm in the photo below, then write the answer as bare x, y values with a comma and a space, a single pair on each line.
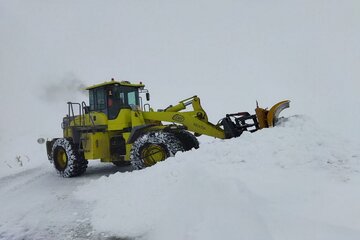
232, 125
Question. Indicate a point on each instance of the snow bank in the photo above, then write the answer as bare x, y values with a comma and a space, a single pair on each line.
291, 182
21, 152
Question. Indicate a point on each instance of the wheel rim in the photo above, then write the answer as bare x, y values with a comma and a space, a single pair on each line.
153, 154
61, 159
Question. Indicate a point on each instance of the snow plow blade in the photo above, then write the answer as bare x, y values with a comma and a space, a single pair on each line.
235, 124
269, 118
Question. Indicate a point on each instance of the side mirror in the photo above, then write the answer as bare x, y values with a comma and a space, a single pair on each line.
147, 96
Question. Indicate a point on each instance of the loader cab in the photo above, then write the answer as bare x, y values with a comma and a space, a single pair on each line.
111, 97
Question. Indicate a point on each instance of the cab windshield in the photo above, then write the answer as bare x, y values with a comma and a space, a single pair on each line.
119, 97
127, 96
111, 99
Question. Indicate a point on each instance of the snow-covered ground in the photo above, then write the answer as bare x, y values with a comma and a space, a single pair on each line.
22, 152
295, 181
36, 204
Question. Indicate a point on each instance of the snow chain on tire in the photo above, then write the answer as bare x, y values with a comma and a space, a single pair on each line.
187, 139
166, 140
75, 164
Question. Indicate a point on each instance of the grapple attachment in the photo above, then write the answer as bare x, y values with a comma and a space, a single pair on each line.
235, 124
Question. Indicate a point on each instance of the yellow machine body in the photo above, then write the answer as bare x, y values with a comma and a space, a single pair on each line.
101, 131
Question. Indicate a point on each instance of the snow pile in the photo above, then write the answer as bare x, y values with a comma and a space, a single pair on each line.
292, 182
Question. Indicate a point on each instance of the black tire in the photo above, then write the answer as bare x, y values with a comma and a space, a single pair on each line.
153, 147
66, 159
187, 139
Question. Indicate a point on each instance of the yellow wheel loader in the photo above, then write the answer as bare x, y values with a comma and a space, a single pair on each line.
118, 127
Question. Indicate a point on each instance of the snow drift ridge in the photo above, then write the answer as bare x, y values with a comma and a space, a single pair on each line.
283, 183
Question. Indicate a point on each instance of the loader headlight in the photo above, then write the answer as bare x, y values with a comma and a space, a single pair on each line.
41, 140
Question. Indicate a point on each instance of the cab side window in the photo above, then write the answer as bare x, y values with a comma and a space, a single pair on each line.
92, 100
97, 99
100, 99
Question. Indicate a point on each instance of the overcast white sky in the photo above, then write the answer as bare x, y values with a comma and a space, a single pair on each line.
230, 53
